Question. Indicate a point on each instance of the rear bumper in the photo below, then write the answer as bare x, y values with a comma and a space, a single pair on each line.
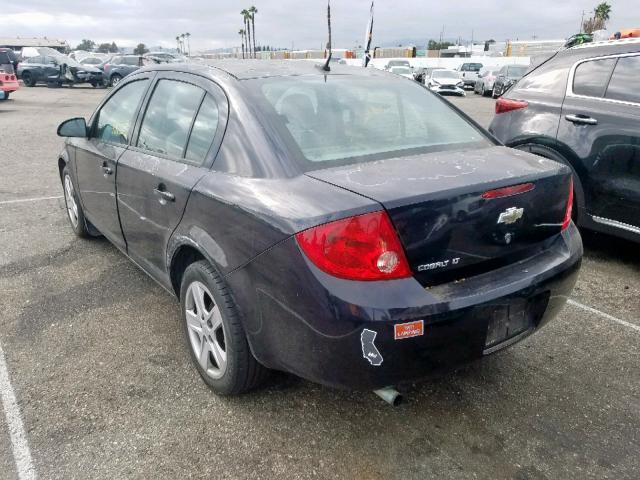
321, 328
9, 85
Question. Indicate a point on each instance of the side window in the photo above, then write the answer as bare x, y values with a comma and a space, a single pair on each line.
169, 116
623, 85
591, 77
203, 131
117, 115
49, 60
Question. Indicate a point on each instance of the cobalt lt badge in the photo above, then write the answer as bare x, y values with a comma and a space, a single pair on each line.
511, 215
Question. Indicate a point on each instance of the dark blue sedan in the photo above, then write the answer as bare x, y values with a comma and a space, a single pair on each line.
349, 227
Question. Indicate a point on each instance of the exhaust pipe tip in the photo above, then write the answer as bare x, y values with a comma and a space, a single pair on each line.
390, 395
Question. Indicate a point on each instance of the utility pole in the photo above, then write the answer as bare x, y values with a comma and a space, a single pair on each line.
581, 21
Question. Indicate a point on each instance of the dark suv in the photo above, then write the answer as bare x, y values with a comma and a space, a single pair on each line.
582, 108
119, 67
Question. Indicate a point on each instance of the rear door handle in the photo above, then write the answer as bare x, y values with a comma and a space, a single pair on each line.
581, 119
164, 195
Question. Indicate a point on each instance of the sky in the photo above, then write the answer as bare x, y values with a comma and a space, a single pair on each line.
300, 23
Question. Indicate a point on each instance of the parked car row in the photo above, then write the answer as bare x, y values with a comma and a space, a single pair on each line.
55, 69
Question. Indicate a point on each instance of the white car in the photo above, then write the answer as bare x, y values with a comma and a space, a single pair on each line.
445, 82
486, 79
402, 71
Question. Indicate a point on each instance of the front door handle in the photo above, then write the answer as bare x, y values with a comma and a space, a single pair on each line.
164, 195
107, 170
581, 119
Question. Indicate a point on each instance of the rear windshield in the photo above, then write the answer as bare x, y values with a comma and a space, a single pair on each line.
517, 71
401, 70
445, 74
342, 119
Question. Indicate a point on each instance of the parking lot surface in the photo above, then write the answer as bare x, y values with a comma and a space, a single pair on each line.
104, 388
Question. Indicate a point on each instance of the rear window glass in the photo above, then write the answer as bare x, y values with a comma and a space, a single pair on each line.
624, 82
348, 119
517, 71
591, 77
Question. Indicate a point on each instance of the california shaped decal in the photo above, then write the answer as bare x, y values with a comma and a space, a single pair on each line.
369, 350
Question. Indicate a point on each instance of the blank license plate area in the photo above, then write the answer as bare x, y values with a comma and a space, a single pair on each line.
508, 321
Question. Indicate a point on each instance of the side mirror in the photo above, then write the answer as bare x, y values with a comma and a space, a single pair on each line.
74, 127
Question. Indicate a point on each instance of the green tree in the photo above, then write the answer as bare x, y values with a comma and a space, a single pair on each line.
140, 49
104, 47
599, 19
113, 48
241, 33
602, 11
86, 45
246, 16
253, 10
433, 45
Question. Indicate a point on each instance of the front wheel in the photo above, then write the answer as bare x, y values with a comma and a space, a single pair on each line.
214, 334
114, 80
28, 79
495, 92
74, 209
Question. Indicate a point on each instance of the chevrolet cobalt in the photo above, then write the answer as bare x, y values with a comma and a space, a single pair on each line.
348, 227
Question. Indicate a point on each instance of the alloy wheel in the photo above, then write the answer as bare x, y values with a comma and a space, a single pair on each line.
206, 330
70, 199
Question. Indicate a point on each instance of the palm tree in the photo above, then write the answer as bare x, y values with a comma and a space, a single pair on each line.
602, 11
184, 50
253, 10
241, 33
246, 16
178, 42
188, 44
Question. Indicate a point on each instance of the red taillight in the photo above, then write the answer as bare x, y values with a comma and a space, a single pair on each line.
569, 210
106, 67
504, 105
508, 191
364, 247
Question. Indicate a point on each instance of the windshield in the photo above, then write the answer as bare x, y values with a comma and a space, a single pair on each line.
401, 70
516, 71
445, 74
342, 119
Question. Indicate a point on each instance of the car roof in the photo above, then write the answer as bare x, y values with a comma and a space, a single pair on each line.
606, 47
252, 69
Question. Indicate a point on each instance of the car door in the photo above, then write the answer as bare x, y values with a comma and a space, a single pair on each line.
51, 67
176, 139
601, 123
96, 157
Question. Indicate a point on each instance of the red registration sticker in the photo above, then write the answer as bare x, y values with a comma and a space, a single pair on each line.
408, 330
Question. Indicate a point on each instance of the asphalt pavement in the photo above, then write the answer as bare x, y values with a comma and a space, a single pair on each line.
102, 386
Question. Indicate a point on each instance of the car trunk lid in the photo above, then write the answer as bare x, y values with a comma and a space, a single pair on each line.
449, 230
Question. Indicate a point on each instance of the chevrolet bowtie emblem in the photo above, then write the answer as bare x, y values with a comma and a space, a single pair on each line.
511, 215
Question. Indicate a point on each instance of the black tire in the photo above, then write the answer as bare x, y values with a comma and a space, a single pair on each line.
28, 80
79, 227
494, 93
242, 372
94, 84
6, 95
114, 79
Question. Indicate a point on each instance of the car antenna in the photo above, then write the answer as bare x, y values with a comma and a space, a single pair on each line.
326, 66
367, 42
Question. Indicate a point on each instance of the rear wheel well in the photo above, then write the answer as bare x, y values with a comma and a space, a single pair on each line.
552, 154
184, 257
